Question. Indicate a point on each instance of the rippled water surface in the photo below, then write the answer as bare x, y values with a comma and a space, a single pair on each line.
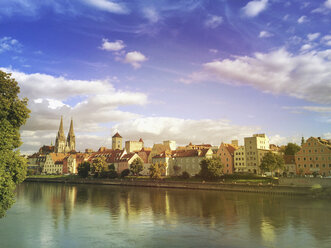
55, 215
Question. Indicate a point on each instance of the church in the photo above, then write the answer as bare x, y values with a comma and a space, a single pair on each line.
63, 145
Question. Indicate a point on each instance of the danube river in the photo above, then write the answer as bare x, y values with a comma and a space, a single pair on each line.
56, 215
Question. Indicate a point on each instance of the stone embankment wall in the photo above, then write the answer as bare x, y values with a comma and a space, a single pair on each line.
305, 181
266, 189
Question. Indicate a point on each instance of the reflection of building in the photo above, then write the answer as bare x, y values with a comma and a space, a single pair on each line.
61, 143
314, 157
255, 148
290, 168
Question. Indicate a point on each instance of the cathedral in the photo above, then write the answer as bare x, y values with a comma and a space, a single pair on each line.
61, 143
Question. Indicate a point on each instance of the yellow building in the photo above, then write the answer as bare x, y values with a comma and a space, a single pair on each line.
255, 148
240, 160
134, 146
117, 141
314, 157
54, 163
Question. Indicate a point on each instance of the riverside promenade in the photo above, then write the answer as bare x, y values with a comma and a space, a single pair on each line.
200, 185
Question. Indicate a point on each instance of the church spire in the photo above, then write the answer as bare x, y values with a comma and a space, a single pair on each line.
71, 129
61, 132
71, 142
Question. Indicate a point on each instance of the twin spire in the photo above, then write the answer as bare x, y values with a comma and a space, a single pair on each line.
61, 143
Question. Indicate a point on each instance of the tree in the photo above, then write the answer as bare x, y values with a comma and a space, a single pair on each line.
84, 169
99, 165
271, 162
125, 173
211, 168
136, 166
185, 175
111, 167
291, 149
157, 170
13, 114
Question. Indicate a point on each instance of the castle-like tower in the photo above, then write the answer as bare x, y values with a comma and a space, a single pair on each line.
117, 141
63, 145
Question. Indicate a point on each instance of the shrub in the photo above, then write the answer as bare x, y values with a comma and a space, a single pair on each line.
125, 173
185, 175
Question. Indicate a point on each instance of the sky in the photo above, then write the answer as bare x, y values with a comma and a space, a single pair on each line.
191, 71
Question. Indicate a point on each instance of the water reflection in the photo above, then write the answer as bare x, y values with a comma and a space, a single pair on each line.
184, 216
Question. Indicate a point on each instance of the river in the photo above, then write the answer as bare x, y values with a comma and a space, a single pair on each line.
58, 215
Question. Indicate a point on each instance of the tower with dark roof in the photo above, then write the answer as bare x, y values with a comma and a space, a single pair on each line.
117, 141
60, 141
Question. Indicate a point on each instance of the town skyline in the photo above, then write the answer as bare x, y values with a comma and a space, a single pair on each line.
191, 71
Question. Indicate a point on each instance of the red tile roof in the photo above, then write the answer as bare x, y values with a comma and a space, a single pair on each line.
117, 135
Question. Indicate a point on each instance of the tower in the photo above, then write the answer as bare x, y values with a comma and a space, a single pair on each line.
60, 141
117, 141
71, 141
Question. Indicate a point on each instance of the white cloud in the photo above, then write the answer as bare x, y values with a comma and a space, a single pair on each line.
213, 21
112, 46
326, 40
151, 15
253, 8
281, 140
183, 131
213, 50
108, 6
91, 103
305, 47
313, 36
9, 44
327, 135
327, 4
265, 34
135, 58
304, 76
302, 19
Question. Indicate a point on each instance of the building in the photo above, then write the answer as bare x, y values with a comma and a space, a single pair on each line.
290, 167
125, 161
63, 144
314, 157
188, 160
134, 146
158, 149
165, 159
171, 144
54, 163
240, 160
117, 141
226, 153
255, 148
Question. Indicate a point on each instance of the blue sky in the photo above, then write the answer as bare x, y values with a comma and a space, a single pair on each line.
200, 71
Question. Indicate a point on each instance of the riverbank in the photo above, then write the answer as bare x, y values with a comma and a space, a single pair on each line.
220, 186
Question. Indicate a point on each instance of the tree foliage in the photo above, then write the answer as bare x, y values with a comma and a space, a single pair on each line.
291, 149
272, 162
177, 169
157, 170
13, 114
84, 169
125, 173
211, 168
99, 166
136, 166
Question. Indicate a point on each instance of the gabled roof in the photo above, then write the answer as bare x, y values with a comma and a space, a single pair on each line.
127, 157
111, 156
117, 135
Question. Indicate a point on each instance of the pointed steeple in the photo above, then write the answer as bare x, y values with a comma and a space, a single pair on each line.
71, 129
61, 132
71, 142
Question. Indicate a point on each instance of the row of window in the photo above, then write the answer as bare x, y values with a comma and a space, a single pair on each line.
311, 158
313, 166
309, 151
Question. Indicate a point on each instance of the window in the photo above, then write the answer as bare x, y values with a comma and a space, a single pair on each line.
304, 166
298, 159
323, 165
317, 165
311, 166
316, 158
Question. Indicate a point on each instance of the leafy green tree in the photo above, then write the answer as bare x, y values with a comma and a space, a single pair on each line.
272, 162
136, 166
99, 165
211, 168
13, 114
291, 149
157, 170
84, 169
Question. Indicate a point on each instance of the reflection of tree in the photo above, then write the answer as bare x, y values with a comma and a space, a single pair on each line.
263, 217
